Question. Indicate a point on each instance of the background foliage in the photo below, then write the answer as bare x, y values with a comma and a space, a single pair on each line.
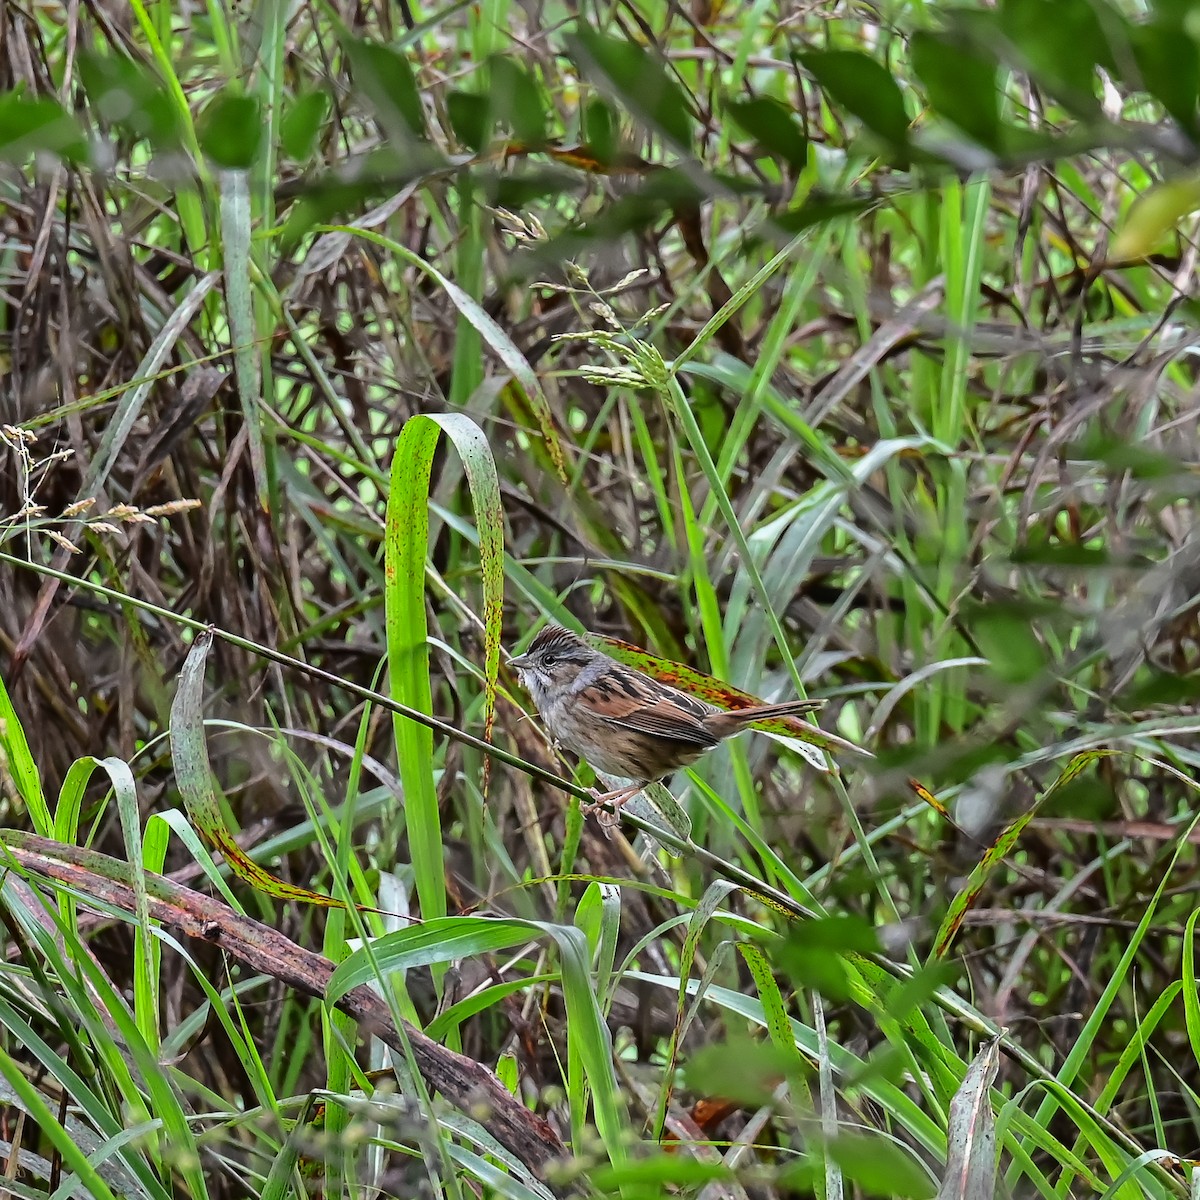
837, 348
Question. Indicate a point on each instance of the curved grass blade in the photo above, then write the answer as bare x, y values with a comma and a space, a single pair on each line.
590, 1048
442, 940
146, 956
406, 547
714, 896
193, 774
18, 763
589, 1045
29, 1100
656, 802
502, 345
235, 236
996, 853
971, 1134
778, 1023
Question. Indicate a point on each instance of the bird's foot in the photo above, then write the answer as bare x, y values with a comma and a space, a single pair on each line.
607, 805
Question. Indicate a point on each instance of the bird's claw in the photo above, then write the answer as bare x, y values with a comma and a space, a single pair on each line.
607, 805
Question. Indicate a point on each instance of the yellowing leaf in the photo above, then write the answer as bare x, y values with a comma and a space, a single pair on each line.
1154, 214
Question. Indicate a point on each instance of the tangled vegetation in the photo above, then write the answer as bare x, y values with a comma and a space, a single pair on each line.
835, 350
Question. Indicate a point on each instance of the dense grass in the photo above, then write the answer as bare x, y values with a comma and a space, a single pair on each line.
370, 354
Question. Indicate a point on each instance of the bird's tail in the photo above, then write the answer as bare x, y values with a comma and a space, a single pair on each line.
765, 712
732, 720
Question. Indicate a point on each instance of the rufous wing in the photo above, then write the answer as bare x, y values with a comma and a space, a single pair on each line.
643, 705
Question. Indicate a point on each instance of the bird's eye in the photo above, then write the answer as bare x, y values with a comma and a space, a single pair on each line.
549, 659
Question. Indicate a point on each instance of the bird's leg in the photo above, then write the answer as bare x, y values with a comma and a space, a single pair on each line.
617, 799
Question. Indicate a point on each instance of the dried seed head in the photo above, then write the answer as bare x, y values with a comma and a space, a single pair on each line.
605, 314
171, 508
58, 539
626, 280
15, 435
575, 274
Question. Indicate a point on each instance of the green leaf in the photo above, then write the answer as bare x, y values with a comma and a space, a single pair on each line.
772, 124
406, 548
880, 1166
230, 130
777, 1017
589, 1047
740, 1069
638, 79
189, 755
470, 118
146, 977
21, 766
916, 990
1155, 214
1156, 687
1060, 43
236, 220
131, 97
301, 125
960, 84
406, 545
1119, 454
384, 77
863, 87
813, 955
383, 172
818, 209
38, 125
1168, 67
32, 1101
516, 99
600, 130
440, 940
1005, 635
662, 1174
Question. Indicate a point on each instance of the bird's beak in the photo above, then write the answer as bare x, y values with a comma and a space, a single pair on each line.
520, 663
